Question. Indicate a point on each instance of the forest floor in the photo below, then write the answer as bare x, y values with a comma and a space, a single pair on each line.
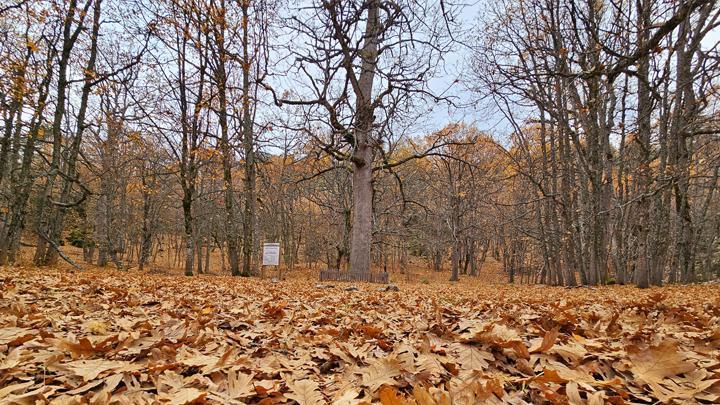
127, 337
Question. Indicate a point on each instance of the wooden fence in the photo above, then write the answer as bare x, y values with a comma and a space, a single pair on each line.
336, 275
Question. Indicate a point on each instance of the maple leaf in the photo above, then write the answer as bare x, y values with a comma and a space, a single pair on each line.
240, 384
501, 333
370, 331
198, 360
379, 373
656, 363
82, 348
305, 392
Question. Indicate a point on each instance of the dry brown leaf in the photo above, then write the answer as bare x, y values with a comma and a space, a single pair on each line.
596, 398
440, 396
184, 396
239, 384
422, 396
548, 341
347, 397
379, 373
9, 335
655, 363
82, 348
85, 388
5, 391
571, 389
11, 360
472, 358
216, 335
91, 369
305, 392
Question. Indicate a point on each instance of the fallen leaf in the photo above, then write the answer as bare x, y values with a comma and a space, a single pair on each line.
305, 392
656, 363
389, 396
379, 373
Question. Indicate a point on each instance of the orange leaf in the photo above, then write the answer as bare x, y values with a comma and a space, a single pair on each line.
388, 396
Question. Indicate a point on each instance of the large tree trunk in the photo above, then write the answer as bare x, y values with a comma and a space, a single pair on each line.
362, 159
361, 238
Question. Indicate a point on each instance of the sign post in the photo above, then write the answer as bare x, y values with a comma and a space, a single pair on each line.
271, 254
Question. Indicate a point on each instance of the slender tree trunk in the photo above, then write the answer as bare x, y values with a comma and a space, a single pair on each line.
146, 232
57, 221
189, 234
13, 120
22, 184
44, 200
207, 256
249, 149
226, 149
200, 257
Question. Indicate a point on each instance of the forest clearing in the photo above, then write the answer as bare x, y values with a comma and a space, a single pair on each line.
128, 337
425, 202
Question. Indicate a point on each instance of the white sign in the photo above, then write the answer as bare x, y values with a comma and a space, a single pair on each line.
271, 254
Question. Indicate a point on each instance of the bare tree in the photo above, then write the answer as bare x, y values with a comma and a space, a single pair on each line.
363, 65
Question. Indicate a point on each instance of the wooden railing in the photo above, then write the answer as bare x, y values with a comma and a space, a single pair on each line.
336, 275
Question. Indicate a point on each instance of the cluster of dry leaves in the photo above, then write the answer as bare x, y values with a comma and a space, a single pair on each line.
109, 337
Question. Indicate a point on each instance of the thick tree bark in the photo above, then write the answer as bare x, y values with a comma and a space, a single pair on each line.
362, 158
360, 239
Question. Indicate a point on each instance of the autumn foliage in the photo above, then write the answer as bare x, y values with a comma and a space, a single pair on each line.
118, 337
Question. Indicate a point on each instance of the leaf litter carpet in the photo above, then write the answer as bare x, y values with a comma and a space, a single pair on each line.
113, 337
